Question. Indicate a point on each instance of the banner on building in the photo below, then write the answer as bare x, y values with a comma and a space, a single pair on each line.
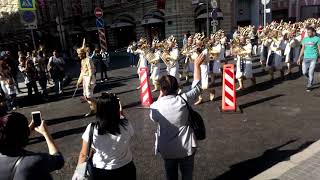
161, 4
76, 7
27, 5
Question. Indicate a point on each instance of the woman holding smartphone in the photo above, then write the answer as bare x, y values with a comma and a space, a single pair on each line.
17, 163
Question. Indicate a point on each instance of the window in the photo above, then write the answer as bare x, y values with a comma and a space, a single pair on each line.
309, 12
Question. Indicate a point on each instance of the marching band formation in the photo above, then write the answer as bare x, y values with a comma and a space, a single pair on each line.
276, 43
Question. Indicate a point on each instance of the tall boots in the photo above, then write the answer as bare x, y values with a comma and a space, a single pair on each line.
93, 108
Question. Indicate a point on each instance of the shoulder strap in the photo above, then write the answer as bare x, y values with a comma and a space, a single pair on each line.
15, 167
90, 140
187, 104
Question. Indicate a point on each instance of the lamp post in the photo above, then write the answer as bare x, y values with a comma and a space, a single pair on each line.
208, 18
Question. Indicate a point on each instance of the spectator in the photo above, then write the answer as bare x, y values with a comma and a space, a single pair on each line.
175, 140
41, 67
3, 105
105, 63
184, 40
7, 85
96, 59
29, 71
131, 54
14, 134
13, 64
56, 69
310, 51
112, 157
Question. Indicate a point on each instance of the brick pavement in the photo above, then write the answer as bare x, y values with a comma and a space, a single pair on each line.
304, 165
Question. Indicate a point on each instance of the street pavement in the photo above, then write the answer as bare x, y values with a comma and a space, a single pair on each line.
278, 119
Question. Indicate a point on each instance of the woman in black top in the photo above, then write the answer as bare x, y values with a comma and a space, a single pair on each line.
14, 134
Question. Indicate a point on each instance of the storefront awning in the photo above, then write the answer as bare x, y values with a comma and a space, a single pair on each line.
152, 17
151, 21
121, 24
202, 16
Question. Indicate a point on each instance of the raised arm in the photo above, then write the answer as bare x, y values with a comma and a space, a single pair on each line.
300, 56
192, 94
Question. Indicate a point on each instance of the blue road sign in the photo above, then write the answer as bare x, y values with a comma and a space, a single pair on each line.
27, 5
99, 23
28, 16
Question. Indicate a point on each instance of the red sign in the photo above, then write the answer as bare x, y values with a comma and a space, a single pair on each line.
98, 12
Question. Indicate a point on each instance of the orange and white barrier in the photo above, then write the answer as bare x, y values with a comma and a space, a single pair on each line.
229, 100
145, 96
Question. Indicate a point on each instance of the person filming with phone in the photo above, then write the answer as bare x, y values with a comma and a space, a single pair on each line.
15, 161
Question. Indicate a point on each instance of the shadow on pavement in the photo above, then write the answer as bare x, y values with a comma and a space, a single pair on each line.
62, 120
246, 105
252, 167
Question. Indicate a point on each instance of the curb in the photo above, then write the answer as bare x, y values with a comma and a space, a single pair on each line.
277, 170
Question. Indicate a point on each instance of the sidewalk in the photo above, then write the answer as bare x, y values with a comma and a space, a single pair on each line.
304, 165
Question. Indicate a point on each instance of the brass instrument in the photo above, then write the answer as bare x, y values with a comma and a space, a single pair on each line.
165, 55
151, 57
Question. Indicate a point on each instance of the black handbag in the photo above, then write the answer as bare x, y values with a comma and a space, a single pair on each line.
84, 171
196, 122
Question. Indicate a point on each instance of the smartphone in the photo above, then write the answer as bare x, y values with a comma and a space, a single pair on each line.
36, 117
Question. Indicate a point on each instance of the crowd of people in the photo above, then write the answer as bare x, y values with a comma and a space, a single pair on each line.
34, 68
39, 68
106, 142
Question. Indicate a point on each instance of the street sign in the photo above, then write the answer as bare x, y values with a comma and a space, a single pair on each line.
214, 23
29, 19
31, 26
265, 2
27, 5
214, 3
98, 12
29, 16
217, 14
268, 10
99, 23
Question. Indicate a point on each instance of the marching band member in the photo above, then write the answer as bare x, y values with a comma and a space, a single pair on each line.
265, 44
274, 60
187, 51
173, 57
291, 51
201, 49
155, 64
142, 45
216, 54
87, 79
244, 62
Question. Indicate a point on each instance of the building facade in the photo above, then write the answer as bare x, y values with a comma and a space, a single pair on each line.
66, 22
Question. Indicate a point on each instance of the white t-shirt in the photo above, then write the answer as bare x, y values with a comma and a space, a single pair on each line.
111, 152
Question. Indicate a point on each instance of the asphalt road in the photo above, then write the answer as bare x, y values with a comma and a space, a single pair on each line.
279, 119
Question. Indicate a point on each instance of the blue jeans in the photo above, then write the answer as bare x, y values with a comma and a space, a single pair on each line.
58, 83
308, 66
132, 59
185, 164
